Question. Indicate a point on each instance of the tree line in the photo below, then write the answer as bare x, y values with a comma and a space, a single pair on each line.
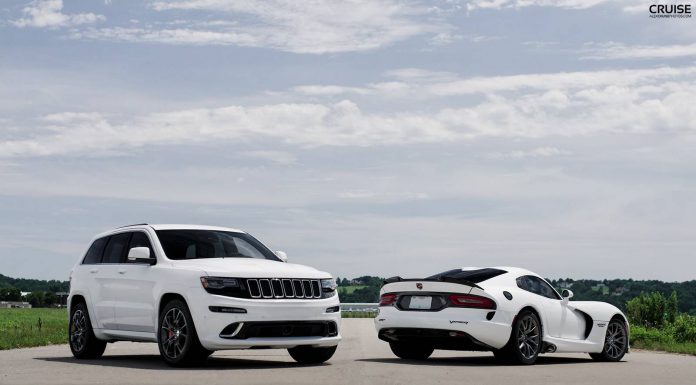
366, 289
41, 292
25, 284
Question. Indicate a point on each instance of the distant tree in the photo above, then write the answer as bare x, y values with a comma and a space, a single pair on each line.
364, 294
672, 308
369, 280
25, 284
50, 298
10, 294
36, 298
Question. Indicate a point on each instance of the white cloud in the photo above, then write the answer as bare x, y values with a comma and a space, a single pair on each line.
48, 14
637, 6
420, 74
541, 44
562, 80
445, 38
539, 152
621, 51
277, 157
500, 4
520, 106
338, 124
381, 196
406, 82
324, 90
314, 27
167, 36
413, 82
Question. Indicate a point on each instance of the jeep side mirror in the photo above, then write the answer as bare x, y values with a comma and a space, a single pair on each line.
141, 255
567, 294
281, 254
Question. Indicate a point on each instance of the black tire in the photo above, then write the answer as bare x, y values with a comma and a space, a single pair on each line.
312, 355
411, 351
615, 342
177, 338
83, 343
525, 342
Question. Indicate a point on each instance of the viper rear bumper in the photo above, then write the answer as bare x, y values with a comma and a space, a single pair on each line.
437, 338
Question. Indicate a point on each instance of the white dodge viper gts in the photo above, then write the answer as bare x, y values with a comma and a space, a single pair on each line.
510, 311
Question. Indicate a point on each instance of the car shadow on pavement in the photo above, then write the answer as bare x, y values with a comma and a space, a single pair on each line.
476, 361
155, 362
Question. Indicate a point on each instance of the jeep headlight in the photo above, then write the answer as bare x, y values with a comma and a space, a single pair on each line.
328, 288
219, 283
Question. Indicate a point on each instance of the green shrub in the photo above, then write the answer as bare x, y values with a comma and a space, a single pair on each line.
650, 335
652, 310
684, 328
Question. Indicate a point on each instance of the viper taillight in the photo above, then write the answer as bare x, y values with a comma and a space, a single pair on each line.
387, 299
471, 301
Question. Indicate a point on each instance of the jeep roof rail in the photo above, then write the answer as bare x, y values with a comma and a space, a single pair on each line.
135, 224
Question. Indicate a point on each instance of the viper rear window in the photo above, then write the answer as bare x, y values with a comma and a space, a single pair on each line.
475, 276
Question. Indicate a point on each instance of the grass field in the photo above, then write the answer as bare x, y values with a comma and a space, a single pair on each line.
21, 328
349, 289
660, 339
358, 314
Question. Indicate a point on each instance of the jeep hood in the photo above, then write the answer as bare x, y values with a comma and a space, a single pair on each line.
250, 268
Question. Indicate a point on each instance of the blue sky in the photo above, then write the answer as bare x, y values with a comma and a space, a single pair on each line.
361, 137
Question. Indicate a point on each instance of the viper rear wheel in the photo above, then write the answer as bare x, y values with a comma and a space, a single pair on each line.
524, 345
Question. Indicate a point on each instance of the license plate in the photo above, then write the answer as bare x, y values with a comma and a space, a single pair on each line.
420, 302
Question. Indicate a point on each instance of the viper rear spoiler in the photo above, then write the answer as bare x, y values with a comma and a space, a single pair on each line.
439, 279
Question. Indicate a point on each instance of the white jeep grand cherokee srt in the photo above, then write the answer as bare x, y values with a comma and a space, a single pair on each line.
197, 289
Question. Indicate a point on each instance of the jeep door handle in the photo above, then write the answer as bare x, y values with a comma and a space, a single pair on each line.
122, 272
94, 271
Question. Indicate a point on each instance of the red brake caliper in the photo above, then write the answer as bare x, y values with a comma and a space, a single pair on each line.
170, 333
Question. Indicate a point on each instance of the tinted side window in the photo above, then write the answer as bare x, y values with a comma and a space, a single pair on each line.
525, 283
537, 286
545, 289
115, 251
94, 254
140, 239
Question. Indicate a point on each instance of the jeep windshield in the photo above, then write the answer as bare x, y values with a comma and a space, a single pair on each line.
199, 244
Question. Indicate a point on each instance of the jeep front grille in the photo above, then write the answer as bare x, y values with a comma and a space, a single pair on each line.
283, 288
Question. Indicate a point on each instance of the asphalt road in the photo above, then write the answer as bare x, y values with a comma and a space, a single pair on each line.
360, 359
